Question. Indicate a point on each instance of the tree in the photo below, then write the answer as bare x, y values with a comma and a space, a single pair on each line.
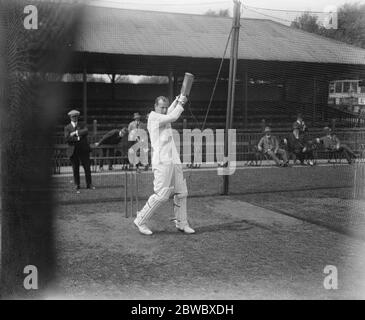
351, 25
219, 13
350, 28
306, 22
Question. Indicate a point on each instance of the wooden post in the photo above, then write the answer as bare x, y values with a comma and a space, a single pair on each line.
185, 123
84, 92
171, 86
314, 99
231, 85
113, 86
95, 127
333, 124
175, 84
245, 106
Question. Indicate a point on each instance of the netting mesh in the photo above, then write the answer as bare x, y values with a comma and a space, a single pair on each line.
28, 112
31, 107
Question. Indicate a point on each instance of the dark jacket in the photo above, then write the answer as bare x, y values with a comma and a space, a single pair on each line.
267, 144
78, 144
330, 142
300, 125
111, 137
295, 145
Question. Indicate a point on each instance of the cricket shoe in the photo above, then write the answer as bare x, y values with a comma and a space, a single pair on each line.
186, 228
142, 228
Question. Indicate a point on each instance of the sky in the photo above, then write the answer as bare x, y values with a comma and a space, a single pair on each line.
252, 11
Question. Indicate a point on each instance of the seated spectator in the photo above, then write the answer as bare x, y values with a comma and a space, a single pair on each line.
132, 129
298, 146
113, 137
332, 144
136, 123
269, 145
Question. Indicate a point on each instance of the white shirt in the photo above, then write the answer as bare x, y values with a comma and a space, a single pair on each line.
74, 124
162, 142
134, 125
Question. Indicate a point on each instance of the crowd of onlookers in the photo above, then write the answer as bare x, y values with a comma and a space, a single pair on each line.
296, 145
300, 146
78, 148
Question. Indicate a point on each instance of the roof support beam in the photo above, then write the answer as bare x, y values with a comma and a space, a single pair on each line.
171, 86
314, 99
84, 92
231, 85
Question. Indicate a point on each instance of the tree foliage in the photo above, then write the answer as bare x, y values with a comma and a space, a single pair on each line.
218, 13
350, 29
306, 22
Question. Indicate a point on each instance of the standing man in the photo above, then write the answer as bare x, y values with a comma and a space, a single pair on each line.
300, 124
166, 166
79, 149
113, 137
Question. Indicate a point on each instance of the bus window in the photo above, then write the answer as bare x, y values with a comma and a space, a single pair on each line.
346, 87
354, 87
338, 87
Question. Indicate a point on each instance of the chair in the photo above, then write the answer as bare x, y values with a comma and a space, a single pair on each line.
335, 155
256, 155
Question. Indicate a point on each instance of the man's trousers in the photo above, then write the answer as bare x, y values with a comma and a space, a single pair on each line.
168, 179
347, 152
84, 159
280, 152
107, 153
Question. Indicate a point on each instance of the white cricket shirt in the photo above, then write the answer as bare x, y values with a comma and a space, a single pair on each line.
162, 142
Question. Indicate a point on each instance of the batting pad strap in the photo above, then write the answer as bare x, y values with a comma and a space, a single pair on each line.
180, 211
181, 195
181, 190
164, 194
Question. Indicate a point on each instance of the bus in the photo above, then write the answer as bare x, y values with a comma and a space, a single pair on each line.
347, 95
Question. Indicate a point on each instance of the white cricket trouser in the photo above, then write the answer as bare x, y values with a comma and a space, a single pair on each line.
168, 178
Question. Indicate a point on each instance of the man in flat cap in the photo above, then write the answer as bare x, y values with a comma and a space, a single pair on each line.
269, 145
132, 130
136, 123
79, 149
332, 144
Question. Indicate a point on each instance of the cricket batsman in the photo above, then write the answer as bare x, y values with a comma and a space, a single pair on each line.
166, 166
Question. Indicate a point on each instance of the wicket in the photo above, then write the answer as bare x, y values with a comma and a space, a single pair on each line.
131, 187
